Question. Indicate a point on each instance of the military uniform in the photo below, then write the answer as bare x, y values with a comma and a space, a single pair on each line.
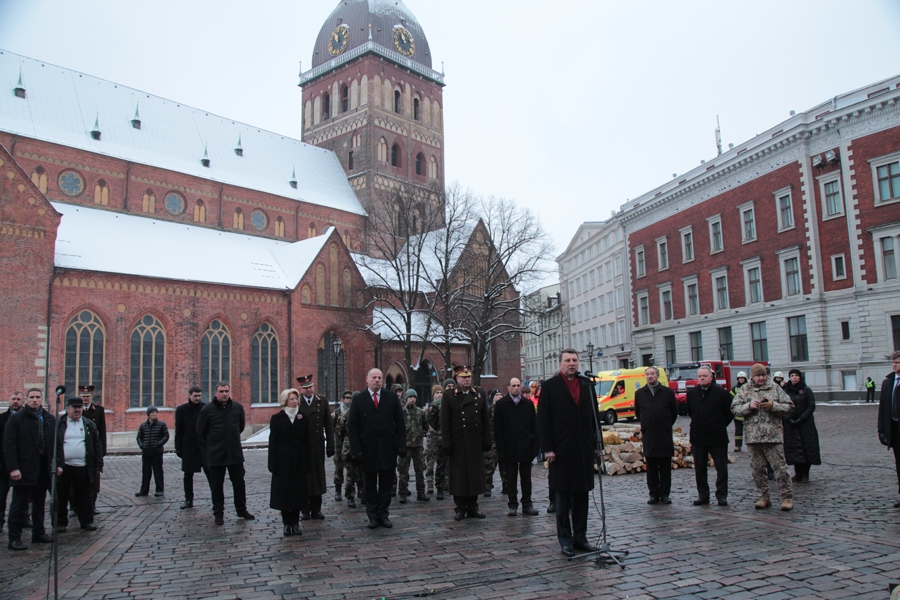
353, 480
465, 429
416, 426
339, 465
435, 460
738, 424
321, 432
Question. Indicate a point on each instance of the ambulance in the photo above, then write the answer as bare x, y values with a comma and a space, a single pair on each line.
615, 392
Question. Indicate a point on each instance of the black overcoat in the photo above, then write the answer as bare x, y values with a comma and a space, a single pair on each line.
93, 459
801, 438
219, 430
321, 435
569, 431
657, 414
379, 435
885, 407
97, 414
3, 419
186, 444
289, 452
515, 430
21, 440
710, 413
465, 431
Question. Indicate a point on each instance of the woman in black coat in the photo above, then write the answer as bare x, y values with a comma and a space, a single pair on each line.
289, 461
801, 439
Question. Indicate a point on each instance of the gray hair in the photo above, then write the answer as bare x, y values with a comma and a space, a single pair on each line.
707, 367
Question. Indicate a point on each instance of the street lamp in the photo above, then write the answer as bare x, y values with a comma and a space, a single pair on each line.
590, 349
336, 347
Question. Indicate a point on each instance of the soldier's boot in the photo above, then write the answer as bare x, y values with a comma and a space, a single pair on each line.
403, 497
351, 502
787, 504
422, 497
337, 493
430, 489
763, 502
440, 493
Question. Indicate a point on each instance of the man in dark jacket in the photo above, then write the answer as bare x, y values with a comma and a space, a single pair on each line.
888, 416
96, 413
466, 436
515, 433
79, 457
187, 448
655, 407
568, 424
321, 432
27, 450
377, 437
16, 402
152, 436
219, 430
709, 407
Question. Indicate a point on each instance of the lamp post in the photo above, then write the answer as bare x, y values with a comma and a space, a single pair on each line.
336, 347
590, 350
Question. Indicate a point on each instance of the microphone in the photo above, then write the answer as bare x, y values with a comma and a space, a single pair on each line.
60, 390
581, 375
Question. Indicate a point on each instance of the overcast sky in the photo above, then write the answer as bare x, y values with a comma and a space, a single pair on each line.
569, 107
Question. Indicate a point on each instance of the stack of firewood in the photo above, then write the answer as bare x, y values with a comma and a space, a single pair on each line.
628, 455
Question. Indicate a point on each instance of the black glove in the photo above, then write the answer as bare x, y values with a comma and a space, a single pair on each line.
401, 453
883, 439
486, 447
329, 453
448, 451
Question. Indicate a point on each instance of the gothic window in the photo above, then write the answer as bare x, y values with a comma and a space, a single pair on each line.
148, 202
199, 212
311, 231
345, 98
320, 285
237, 219
354, 142
148, 363
326, 106
39, 178
101, 193
215, 357
258, 220
382, 150
264, 366
84, 352
420, 164
397, 101
432, 167
395, 155
348, 289
333, 299
416, 109
279, 227
71, 183
331, 367
174, 203
305, 294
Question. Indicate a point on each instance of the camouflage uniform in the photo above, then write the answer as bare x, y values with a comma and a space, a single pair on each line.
339, 465
416, 426
354, 477
491, 461
764, 434
738, 425
436, 461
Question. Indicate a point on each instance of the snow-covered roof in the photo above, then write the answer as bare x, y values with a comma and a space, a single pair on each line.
105, 241
62, 105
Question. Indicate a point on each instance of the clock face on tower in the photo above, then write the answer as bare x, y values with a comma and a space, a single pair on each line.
338, 41
403, 41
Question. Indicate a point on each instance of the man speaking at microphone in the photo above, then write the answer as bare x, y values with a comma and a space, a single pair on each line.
567, 422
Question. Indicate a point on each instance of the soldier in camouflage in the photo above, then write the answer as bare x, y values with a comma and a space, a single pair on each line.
763, 403
491, 460
435, 461
416, 426
339, 466
353, 479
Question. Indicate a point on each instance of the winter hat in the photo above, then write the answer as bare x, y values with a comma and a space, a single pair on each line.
449, 382
410, 393
757, 369
797, 371
778, 374
151, 409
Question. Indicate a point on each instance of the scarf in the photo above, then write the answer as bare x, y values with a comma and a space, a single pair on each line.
291, 412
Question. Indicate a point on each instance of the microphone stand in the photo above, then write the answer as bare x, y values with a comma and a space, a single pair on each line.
53, 501
603, 555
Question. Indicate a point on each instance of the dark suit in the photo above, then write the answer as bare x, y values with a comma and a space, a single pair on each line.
187, 447
515, 433
888, 415
657, 413
710, 412
28, 448
377, 437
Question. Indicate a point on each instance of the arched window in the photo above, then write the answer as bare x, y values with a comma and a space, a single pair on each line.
39, 178
397, 101
199, 212
215, 357
312, 231
279, 227
326, 106
148, 363
237, 219
432, 167
333, 296
345, 98
264, 366
420, 164
331, 366
148, 202
84, 353
101, 193
305, 294
395, 155
350, 161
320, 285
355, 140
348, 289
346, 237
382, 150
416, 109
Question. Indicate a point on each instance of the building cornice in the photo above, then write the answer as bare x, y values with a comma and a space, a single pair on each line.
371, 47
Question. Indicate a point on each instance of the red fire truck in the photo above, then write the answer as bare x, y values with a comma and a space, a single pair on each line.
683, 376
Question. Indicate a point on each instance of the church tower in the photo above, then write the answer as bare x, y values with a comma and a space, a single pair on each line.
373, 98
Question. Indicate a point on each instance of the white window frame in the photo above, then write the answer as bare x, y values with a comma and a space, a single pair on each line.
715, 219
640, 262
742, 210
891, 231
785, 255
823, 181
834, 260
779, 194
643, 310
663, 289
715, 274
660, 242
880, 162
685, 232
687, 282
748, 265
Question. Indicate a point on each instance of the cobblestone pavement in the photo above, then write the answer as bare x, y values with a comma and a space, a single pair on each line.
841, 541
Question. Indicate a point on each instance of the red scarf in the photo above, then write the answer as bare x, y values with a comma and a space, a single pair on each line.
574, 388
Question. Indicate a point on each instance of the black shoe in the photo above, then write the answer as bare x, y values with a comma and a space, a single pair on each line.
16, 545
459, 516
27, 524
351, 502
139, 494
475, 513
318, 515
723, 502
95, 512
422, 498
585, 547
61, 528
296, 529
440, 494
897, 504
529, 510
89, 526
551, 508
158, 494
653, 500
487, 494
513, 511
701, 501
373, 523
402, 498
337, 496
568, 550
304, 516
385, 522
246, 515
72, 514
665, 500
220, 520
288, 530
187, 504
41, 538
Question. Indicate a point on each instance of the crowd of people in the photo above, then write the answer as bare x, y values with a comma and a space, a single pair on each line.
454, 443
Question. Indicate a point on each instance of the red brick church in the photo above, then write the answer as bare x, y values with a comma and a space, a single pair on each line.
147, 246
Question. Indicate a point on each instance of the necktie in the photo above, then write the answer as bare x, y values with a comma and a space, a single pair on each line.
896, 398
375, 398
